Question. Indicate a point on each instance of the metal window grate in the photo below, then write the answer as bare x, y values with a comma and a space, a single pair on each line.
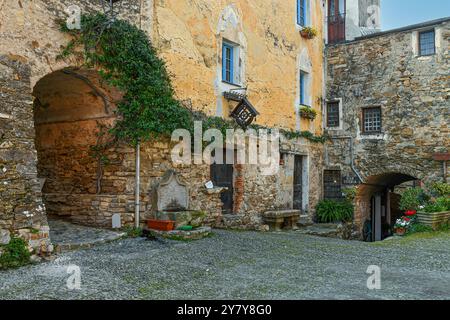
333, 114
332, 188
372, 119
427, 43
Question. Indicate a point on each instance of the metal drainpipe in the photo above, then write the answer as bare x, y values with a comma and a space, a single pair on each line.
137, 188
352, 164
137, 201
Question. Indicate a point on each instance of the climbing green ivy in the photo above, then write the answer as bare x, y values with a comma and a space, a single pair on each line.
128, 61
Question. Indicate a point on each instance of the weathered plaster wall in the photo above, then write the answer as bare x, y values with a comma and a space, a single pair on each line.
413, 93
189, 36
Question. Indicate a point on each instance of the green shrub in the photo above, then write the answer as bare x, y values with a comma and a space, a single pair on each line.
15, 254
440, 204
440, 189
417, 227
133, 232
412, 199
334, 211
350, 193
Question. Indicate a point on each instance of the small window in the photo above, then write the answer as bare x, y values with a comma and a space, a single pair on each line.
304, 92
372, 120
332, 187
333, 114
228, 63
427, 43
301, 12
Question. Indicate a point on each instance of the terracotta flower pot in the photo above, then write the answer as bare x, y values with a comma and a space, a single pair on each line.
400, 231
161, 225
305, 34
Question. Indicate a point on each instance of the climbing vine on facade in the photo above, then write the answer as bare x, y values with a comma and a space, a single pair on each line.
128, 61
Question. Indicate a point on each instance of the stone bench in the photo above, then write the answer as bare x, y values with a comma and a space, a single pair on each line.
284, 219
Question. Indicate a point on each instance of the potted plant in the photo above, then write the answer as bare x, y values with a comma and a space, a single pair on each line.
308, 32
402, 225
161, 222
308, 112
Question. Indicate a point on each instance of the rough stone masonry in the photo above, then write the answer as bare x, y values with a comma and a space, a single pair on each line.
386, 70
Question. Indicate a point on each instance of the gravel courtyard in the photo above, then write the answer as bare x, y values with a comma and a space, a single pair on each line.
242, 265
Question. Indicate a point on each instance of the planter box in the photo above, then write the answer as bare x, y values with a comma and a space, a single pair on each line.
308, 116
434, 219
306, 35
161, 225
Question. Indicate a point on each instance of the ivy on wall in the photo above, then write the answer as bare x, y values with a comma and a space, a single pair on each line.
128, 61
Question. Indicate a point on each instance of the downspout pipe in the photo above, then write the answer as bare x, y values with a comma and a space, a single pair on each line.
352, 155
137, 188
137, 202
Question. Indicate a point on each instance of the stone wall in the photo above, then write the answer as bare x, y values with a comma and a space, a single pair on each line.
413, 92
21, 205
29, 46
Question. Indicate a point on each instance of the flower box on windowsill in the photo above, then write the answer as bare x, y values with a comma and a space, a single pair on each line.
308, 32
307, 112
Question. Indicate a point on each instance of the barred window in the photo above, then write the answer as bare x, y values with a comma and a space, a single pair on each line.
333, 114
427, 43
332, 188
372, 120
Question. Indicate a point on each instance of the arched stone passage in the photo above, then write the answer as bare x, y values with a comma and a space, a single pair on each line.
71, 108
377, 204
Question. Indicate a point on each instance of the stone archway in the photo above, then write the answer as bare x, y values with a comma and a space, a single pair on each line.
377, 203
72, 110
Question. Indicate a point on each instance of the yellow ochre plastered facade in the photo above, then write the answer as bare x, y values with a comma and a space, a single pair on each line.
189, 36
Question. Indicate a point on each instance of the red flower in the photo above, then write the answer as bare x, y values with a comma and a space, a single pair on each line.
410, 212
406, 219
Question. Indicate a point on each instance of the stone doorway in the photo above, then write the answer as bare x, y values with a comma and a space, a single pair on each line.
298, 182
71, 107
222, 176
377, 205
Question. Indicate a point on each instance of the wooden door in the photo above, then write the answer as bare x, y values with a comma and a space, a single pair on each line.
298, 183
222, 176
336, 21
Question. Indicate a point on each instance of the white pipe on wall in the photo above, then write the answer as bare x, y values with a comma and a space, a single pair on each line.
137, 201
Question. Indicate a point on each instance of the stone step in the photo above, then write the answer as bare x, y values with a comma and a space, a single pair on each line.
321, 230
66, 236
304, 221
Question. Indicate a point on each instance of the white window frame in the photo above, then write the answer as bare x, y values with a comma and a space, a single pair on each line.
341, 117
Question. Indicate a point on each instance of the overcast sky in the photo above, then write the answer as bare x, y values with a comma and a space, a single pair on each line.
400, 13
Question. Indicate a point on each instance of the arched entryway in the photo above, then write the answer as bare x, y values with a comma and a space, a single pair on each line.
71, 107
377, 204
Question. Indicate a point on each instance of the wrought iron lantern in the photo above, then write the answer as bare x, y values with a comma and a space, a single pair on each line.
244, 114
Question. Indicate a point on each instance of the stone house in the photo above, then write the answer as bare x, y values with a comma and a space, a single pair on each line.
387, 113
52, 110
381, 96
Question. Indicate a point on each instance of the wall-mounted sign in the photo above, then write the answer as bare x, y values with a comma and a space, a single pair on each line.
350, 180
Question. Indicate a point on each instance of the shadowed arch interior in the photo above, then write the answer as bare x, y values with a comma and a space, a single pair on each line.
70, 107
